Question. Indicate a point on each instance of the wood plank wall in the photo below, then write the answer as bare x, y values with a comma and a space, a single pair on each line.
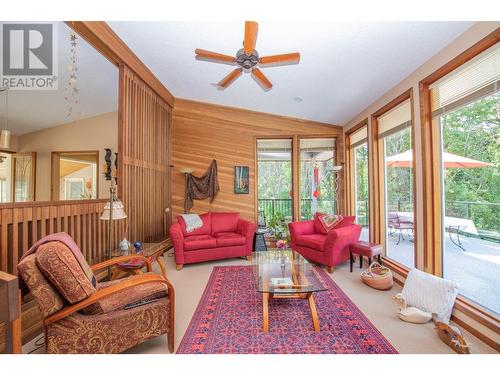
144, 129
202, 132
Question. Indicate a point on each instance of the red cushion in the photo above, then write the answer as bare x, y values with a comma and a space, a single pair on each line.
319, 227
347, 220
315, 241
225, 221
205, 229
199, 242
230, 239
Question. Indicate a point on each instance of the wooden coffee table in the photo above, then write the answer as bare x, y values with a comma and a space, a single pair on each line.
285, 274
151, 250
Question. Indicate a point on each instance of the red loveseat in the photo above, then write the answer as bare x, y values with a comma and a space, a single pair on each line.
329, 249
223, 235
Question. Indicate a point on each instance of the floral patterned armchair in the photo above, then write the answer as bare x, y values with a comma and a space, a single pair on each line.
82, 315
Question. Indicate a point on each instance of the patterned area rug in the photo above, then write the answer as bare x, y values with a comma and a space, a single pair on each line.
228, 319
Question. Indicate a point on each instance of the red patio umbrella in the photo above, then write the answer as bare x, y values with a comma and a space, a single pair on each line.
405, 160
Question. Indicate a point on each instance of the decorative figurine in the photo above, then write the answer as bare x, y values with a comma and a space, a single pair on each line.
138, 247
124, 246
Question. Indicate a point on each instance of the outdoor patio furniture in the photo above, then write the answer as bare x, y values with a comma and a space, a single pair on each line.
399, 224
455, 226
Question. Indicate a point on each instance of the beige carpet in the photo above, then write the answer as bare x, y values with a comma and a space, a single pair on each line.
378, 306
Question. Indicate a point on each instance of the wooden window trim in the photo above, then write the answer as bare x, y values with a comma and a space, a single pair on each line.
336, 161
256, 169
377, 199
54, 171
349, 167
432, 214
295, 138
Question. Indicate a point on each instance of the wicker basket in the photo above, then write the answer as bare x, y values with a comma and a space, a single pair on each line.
377, 276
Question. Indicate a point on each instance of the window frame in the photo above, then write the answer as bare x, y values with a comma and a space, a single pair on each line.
432, 189
377, 204
350, 173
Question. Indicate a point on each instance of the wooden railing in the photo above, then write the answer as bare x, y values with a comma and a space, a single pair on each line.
22, 224
10, 314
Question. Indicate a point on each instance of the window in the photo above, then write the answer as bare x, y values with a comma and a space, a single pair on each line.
394, 134
358, 149
466, 117
274, 183
74, 188
74, 175
318, 177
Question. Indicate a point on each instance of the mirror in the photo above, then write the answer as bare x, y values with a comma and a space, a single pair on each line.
53, 139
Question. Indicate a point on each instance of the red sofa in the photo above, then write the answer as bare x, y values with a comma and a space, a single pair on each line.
328, 249
223, 235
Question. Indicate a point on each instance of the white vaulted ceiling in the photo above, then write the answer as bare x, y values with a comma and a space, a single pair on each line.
344, 66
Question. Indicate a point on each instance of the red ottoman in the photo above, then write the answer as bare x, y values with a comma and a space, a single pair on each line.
364, 249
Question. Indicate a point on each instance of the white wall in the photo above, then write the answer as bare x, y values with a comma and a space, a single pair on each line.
93, 133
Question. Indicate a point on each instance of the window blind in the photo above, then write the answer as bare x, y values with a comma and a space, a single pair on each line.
274, 149
395, 120
477, 78
358, 137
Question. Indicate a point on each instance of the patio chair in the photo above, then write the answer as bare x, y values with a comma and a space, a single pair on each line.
82, 315
395, 224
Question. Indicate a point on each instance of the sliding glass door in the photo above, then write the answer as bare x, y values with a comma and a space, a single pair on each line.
318, 177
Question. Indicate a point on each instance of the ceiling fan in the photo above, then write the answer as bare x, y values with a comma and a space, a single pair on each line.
247, 59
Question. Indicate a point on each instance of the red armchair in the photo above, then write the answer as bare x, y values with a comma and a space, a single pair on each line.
223, 235
328, 249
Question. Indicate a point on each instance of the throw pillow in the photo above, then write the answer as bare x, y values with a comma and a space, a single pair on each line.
324, 223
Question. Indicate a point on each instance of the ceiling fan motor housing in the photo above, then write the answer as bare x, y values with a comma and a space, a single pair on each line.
247, 62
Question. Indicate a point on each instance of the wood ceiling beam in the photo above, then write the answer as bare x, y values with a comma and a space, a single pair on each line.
100, 35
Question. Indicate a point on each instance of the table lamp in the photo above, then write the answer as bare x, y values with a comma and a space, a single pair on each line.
113, 210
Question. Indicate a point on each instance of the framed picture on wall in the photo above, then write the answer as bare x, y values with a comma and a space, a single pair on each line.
241, 179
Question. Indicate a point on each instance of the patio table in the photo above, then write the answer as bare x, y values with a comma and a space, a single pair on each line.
452, 225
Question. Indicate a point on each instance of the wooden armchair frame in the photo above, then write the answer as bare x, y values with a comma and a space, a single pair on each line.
126, 284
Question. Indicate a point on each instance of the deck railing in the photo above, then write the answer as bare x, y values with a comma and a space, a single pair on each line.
270, 207
485, 215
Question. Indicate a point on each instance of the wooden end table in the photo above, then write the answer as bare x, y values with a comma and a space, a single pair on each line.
151, 250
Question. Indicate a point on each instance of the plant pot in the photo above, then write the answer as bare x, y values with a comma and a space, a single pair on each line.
271, 242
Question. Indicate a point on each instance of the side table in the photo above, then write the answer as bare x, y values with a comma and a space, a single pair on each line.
151, 250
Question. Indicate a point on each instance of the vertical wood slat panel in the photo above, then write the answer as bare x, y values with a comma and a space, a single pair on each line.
144, 148
22, 224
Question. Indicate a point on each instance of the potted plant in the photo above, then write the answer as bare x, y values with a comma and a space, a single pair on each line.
278, 229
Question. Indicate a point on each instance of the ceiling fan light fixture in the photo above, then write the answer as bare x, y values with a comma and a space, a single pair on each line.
247, 59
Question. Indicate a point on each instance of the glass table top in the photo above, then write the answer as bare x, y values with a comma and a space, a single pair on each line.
285, 272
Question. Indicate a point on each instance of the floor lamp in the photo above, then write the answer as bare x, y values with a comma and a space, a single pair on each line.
113, 210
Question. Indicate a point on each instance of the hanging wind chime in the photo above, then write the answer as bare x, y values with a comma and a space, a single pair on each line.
5, 134
71, 96
316, 182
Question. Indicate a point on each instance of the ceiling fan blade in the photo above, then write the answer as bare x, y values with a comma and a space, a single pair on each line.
251, 29
209, 55
230, 78
287, 58
261, 78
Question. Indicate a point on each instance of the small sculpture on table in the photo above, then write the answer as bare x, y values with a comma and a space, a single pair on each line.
124, 247
138, 247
